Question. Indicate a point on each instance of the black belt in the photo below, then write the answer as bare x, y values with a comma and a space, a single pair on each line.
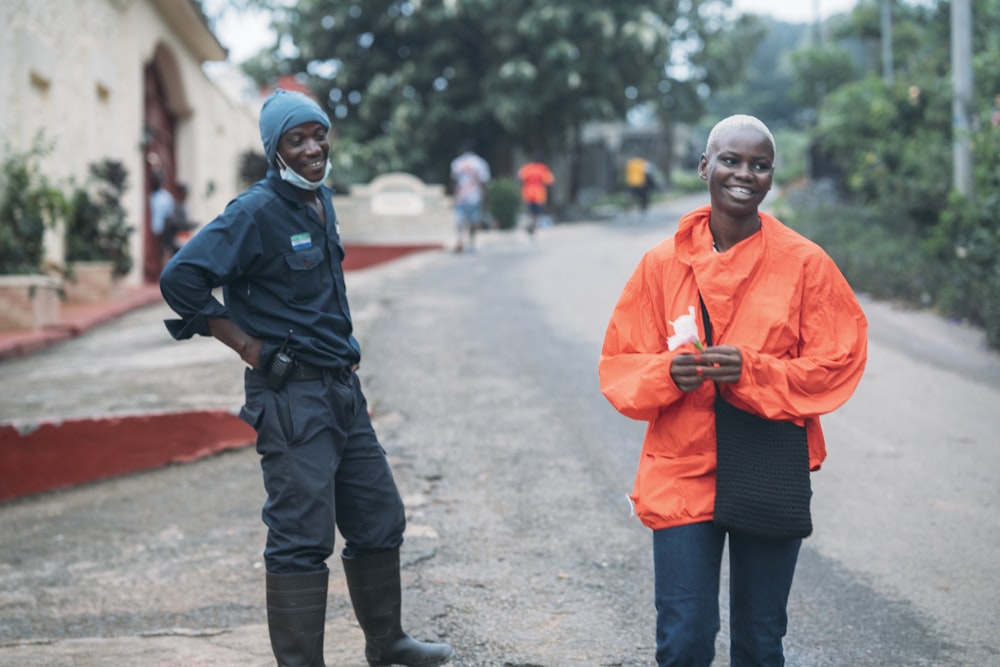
303, 371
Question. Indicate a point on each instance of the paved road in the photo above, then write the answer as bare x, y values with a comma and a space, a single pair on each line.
481, 371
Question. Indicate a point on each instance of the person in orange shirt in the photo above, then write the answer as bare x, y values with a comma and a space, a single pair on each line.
790, 343
536, 178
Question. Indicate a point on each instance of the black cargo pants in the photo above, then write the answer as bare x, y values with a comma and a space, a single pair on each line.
324, 469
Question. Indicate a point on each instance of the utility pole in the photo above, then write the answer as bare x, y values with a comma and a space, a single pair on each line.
819, 30
887, 65
961, 105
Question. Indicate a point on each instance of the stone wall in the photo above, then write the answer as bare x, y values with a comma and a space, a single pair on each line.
396, 209
73, 71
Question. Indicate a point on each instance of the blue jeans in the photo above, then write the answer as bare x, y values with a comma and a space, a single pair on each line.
467, 214
687, 561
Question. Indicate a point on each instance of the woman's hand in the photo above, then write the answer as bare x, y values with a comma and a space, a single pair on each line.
719, 363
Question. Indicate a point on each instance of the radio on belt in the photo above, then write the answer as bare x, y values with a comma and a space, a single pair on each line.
281, 366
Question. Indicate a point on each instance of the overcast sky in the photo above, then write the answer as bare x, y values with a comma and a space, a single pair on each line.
795, 11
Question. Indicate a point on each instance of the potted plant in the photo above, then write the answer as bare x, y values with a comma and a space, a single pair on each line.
29, 299
98, 254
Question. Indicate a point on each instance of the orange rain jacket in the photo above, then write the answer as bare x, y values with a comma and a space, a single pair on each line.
775, 295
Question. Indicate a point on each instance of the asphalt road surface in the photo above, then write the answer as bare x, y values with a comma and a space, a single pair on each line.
481, 372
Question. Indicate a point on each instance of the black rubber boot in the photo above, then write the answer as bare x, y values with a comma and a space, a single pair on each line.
296, 615
375, 592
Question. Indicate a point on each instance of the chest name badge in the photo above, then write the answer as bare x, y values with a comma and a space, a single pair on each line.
301, 241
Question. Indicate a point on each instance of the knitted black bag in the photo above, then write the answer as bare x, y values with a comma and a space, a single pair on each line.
762, 474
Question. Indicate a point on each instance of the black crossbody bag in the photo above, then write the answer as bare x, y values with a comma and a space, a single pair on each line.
762, 476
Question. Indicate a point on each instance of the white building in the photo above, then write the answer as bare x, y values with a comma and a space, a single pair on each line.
123, 80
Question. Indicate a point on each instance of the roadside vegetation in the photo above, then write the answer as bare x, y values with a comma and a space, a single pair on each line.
881, 197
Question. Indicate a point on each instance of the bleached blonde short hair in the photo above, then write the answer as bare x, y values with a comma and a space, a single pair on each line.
737, 122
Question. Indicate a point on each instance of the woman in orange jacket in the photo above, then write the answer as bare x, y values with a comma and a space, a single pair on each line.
790, 344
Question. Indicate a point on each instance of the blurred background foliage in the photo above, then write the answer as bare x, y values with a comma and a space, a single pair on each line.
864, 162
407, 82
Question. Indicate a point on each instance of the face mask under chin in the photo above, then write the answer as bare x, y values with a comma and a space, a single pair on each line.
293, 177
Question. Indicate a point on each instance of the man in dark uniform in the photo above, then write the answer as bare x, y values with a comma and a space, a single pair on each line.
276, 253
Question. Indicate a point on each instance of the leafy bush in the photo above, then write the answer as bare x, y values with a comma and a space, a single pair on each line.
966, 245
687, 180
97, 229
893, 143
956, 269
504, 202
874, 260
793, 149
28, 204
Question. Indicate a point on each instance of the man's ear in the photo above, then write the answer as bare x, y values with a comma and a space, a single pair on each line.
703, 167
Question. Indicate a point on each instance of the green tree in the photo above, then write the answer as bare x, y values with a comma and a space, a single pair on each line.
405, 81
765, 90
818, 70
893, 145
892, 142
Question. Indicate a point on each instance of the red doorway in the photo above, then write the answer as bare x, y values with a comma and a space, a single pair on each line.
158, 146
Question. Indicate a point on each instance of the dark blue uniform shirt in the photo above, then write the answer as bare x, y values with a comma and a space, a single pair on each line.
280, 270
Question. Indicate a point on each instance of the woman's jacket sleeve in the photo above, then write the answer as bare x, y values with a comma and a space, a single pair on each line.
833, 349
634, 368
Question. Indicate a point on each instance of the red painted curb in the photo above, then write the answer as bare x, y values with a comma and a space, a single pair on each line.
360, 256
58, 454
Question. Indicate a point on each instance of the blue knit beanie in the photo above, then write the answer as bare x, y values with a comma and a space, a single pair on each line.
283, 110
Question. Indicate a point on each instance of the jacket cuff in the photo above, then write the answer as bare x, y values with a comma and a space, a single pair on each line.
182, 329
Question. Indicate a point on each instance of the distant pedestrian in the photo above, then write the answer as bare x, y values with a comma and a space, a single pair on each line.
277, 255
177, 227
640, 182
161, 206
536, 179
735, 313
470, 174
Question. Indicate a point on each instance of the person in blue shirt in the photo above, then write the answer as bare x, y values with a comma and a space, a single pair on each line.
276, 253
161, 207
